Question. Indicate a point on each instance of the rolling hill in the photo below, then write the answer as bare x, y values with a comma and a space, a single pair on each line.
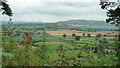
86, 22
76, 22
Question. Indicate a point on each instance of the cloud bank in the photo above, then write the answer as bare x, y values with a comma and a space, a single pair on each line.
56, 10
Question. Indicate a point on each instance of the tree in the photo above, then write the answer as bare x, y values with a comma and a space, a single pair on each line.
98, 35
104, 41
64, 35
88, 35
83, 34
5, 8
104, 35
77, 38
73, 35
44, 36
113, 12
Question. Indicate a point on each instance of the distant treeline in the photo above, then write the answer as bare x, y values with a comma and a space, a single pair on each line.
55, 26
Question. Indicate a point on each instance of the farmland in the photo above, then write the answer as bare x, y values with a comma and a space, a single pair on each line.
70, 32
53, 44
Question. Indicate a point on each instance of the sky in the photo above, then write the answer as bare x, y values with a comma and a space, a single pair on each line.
55, 10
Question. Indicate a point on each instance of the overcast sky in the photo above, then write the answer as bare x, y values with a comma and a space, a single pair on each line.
55, 10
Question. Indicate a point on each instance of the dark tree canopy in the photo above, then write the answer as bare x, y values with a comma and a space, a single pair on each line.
83, 34
73, 35
88, 35
98, 35
77, 38
113, 11
64, 35
5, 8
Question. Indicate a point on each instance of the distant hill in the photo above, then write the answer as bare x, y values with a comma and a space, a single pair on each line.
86, 22
18, 22
79, 22
5, 22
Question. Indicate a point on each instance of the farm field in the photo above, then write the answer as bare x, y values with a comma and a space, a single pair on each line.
80, 33
56, 47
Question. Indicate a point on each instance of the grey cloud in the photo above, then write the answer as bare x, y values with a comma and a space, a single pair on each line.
57, 9
71, 4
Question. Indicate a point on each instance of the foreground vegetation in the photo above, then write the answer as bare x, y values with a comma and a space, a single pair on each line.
23, 47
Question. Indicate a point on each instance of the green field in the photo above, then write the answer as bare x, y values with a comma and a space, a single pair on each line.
28, 46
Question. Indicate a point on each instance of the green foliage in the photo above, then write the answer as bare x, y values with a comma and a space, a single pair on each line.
31, 26
113, 9
6, 9
88, 35
73, 35
77, 38
83, 34
98, 35
44, 35
64, 35
103, 41
8, 55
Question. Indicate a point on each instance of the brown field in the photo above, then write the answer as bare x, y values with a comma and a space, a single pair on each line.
109, 37
79, 33
88, 26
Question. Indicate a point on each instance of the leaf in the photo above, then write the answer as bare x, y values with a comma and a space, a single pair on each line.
9, 55
91, 53
84, 53
73, 58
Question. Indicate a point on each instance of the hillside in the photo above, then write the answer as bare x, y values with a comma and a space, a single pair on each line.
86, 22
79, 22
